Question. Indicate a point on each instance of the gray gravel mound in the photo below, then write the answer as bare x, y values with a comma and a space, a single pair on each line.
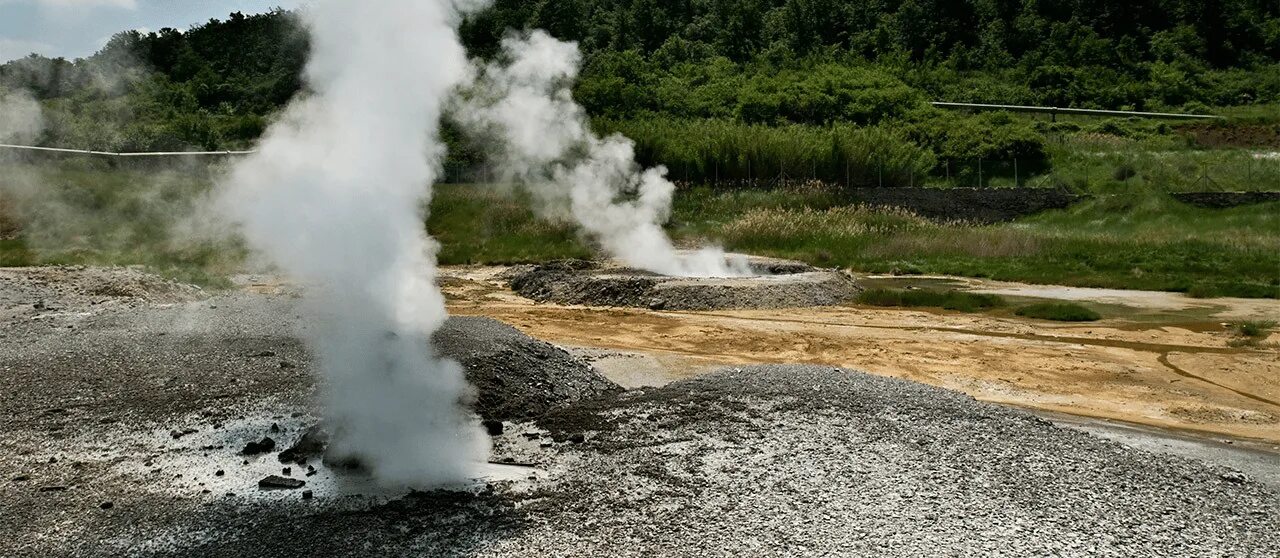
790, 461
793, 460
790, 285
516, 376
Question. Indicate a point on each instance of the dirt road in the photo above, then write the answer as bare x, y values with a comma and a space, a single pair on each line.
1166, 363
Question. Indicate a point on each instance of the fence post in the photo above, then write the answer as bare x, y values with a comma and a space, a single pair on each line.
979, 172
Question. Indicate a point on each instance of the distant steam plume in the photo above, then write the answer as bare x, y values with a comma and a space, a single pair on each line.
21, 119
335, 196
543, 140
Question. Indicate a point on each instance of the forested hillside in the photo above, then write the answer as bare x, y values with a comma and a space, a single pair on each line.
654, 64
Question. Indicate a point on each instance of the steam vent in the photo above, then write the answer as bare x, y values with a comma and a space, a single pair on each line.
775, 284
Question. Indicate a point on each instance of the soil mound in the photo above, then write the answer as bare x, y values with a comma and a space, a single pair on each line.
516, 376
782, 285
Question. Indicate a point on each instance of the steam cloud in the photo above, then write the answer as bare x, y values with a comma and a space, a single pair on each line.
335, 196
21, 120
544, 141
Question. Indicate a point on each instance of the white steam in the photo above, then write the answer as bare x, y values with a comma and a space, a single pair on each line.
21, 119
335, 196
544, 141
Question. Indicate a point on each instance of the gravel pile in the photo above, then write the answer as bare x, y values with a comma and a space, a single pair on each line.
516, 376
787, 285
787, 461
30, 292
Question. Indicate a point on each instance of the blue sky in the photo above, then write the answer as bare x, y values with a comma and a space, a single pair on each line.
77, 28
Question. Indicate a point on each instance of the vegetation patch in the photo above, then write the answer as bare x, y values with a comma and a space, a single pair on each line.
912, 298
1250, 333
1059, 312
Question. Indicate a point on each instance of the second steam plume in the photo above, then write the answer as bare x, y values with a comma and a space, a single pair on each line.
523, 104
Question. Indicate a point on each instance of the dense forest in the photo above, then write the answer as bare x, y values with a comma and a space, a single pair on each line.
834, 73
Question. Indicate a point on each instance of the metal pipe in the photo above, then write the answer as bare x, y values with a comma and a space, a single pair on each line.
1054, 111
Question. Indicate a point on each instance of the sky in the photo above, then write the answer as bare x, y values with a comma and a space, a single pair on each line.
78, 28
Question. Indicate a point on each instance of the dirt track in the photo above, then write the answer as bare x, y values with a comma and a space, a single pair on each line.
1168, 366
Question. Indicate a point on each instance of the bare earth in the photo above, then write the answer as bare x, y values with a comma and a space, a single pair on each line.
131, 403
1166, 364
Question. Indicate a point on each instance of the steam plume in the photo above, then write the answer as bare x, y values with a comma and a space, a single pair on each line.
335, 196
21, 120
545, 142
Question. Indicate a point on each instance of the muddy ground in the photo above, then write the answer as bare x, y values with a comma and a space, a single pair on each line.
1163, 359
124, 415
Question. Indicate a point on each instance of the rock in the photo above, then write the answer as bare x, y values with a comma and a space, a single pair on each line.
286, 365
287, 471
493, 427
307, 494
219, 473
22, 478
312, 444
107, 505
275, 428
276, 482
1235, 477
578, 438
53, 488
255, 448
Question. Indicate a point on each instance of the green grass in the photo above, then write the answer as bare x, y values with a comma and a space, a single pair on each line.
1255, 328
481, 224
1139, 241
920, 298
84, 212
1250, 333
1059, 312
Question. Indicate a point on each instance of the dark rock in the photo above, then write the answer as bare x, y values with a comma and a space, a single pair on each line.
348, 463
307, 494
577, 438
275, 428
275, 482
22, 478
287, 471
219, 473
286, 365
1235, 477
255, 448
106, 505
312, 444
493, 427
54, 488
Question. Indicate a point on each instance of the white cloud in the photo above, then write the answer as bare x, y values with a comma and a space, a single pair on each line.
125, 4
12, 49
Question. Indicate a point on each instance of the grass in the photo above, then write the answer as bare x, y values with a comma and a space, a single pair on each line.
83, 212
919, 298
1251, 333
483, 224
1138, 240
1059, 312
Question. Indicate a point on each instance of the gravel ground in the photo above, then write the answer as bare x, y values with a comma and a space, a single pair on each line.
516, 376
789, 285
137, 406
